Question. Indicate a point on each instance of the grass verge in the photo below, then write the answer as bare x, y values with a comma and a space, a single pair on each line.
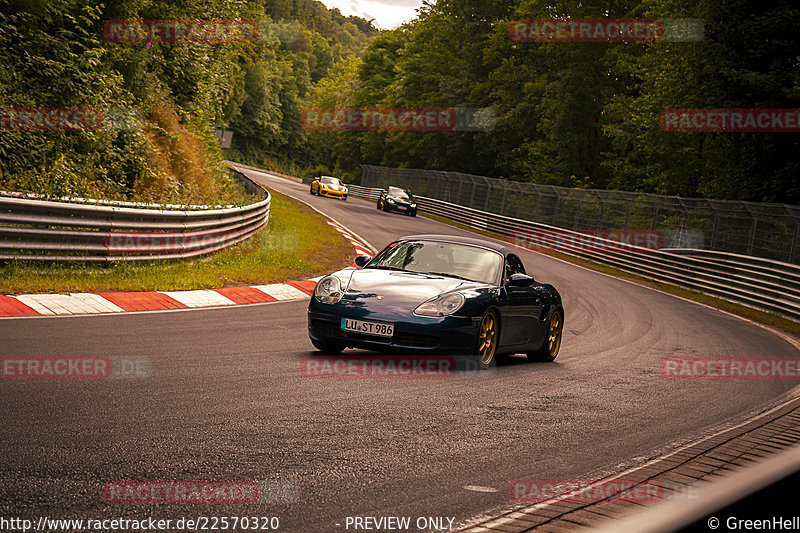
296, 244
773, 320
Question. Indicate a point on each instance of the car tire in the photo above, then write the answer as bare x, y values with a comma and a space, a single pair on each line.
412, 213
378, 206
488, 332
552, 342
327, 347
312, 191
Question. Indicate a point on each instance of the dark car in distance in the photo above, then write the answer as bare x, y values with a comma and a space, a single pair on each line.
398, 200
438, 294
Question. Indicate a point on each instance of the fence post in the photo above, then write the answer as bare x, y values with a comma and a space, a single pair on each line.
472, 196
602, 210
558, 204
714, 231
792, 254
627, 213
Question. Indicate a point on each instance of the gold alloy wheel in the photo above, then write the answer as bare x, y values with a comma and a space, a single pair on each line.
554, 335
487, 338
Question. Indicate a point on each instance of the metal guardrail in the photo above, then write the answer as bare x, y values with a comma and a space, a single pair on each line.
759, 491
758, 229
364, 192
753, 281
45, 230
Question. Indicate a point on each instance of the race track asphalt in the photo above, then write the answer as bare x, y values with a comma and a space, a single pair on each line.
227, 400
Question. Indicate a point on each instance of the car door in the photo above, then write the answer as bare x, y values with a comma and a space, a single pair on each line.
524, 305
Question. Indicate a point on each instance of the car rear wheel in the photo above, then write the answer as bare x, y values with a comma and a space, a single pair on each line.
327, 347
378, 206
552, 343
312, 191
488, 336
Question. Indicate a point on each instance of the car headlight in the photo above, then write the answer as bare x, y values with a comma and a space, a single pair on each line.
390, 200
329, 290
441, 305
413, 205
345, 189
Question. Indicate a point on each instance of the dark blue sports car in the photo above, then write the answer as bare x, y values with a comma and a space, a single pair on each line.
438, 294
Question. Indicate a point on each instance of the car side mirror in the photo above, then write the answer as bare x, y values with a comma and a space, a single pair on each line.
520, 280
362, 260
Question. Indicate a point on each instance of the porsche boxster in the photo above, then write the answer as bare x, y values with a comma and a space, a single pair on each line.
329, 186
438, 294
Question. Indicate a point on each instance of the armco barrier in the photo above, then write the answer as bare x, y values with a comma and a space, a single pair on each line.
754, 492
757, 229
77, 229
752, 281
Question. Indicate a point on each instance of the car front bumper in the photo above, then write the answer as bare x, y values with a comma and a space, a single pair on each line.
400, 208
452, 335
332, 194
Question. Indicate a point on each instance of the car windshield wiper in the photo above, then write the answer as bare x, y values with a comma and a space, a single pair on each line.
447, 275
386, 267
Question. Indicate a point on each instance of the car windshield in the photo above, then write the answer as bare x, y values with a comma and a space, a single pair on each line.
442, 258
398, 194
330, 181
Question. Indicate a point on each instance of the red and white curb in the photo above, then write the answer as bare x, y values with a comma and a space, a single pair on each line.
360, 248
86, 303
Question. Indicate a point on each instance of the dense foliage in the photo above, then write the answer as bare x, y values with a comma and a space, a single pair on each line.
583, 114
573, 114
161, 100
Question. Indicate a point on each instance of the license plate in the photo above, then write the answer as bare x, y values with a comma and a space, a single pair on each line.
381, 329
402, 207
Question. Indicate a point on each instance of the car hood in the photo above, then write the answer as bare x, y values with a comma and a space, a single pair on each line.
369, 287
333, 187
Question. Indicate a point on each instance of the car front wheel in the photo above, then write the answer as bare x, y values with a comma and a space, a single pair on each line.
552, 343
488, 337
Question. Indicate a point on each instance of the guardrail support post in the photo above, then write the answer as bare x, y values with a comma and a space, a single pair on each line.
752, 240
